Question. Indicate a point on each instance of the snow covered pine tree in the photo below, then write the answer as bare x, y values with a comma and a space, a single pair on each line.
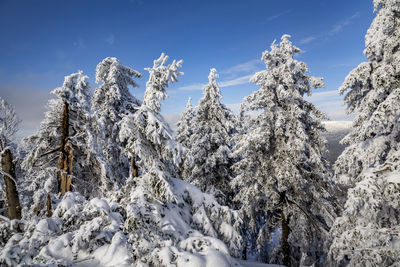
211, 142
112, 101
62, 155
8, 127
282, 176
367, 233
183, 134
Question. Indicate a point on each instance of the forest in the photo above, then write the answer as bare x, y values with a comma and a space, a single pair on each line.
106, 182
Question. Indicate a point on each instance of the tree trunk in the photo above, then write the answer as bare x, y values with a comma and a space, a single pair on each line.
14, 207
64, 163
134, 168
49, 212
284, 240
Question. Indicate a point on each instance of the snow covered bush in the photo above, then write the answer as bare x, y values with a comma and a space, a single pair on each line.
282, 177
367, 233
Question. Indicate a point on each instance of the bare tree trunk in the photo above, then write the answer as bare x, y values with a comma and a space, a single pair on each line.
49, 212
284, 240
134, 168
14, 207
65, 159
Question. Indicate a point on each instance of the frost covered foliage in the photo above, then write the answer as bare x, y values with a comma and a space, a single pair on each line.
367, 233
373, 89
9, 122
149, 138
183, 134
211, 143
67, 124
143, 232
112, 101
281, 176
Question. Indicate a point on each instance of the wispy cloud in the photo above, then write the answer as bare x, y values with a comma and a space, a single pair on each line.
110, 39
237, 81
308, 39
338, 27
334, 29
322, 96
246, 67
273, 17
199, 86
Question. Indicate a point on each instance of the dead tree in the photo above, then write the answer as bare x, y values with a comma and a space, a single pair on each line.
65, 159
8, 171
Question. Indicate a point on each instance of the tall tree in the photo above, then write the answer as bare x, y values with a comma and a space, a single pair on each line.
8, 127
148, 137
367, 232
183, 134
282, 176
211, 142
112, 101
62, 155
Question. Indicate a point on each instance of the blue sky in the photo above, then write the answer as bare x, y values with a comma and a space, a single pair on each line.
42, 41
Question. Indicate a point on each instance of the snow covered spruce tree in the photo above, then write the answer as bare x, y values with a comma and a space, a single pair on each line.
62, 155
149, 138
367, 233
211, 143
8, 190
282, 178
183, 134
112, 101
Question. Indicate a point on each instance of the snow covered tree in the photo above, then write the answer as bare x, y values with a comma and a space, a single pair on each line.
62, 156
8, 127
282, 176
149, 138
367, 233
211, 143
112, 101
183, 134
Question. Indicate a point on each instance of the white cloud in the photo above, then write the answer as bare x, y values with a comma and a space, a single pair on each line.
199, 86
338, 27
308, 39
273, 17
321, 96
246, 67
334, 29
237, 81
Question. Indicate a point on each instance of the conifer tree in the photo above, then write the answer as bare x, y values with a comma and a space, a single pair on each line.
148, 137
211, 142
112, 101
62, 156
282, 176
367, 233
183, 134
